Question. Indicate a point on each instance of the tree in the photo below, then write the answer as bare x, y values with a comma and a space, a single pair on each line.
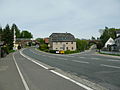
0, 30
26, 34
81, 44
14, 27
7, 37
93, 38
43, 47
107, 33
99, 46
0, 33
40, 40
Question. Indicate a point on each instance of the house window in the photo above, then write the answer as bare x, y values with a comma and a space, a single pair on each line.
71, 42
61, 47
66, 48
72, 48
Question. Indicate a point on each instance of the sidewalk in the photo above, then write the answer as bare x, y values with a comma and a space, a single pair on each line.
9, 76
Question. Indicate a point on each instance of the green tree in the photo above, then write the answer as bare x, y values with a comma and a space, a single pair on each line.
14, 27
99, 46
0, 33
40, 40
93, 38
43, 47
81, 44
0, 30
107, 33
7, 37
26, 34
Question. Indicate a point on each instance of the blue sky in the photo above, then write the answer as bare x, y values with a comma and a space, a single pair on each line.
82, 18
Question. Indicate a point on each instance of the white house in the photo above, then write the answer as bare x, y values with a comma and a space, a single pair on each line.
109, 42
62, 41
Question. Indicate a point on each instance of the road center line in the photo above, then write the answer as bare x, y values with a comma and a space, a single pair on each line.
63, 76
63, 58
95, 58
23, 80
81, 57
110, 66
113, 60
80, 61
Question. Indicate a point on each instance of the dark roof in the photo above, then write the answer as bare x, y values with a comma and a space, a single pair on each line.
61, 37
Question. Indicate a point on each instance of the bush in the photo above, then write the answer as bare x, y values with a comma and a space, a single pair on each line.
4, 51
43, 47
52, 51
70, 52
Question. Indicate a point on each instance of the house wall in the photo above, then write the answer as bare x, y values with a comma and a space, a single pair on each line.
63, 46
117, 42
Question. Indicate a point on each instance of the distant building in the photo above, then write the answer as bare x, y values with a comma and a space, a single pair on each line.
117, 40
62, 41
117, 33
110, 45
46, 40
109, 42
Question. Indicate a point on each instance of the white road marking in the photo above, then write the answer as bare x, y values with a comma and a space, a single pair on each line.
113, 60
110, 66
50, 56
68, 56
63, 76
34, 61
63, 58
81, 57
80, 61
95, 58
23, 80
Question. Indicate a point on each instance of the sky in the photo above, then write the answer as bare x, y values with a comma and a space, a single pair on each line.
82, 18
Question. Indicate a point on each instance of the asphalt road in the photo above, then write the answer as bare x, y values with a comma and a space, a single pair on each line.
37, 77
101, 70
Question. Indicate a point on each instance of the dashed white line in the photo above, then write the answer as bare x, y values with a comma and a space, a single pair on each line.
81, 57
95, 58
69, 56
63, 58
23, 80
110, 66
113, 60
80, 61
63, 76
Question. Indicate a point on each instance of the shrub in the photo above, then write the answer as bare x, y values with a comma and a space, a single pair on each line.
52, 51
43, 47
70, 52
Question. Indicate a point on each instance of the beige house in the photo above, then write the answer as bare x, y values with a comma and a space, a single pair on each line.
62, 41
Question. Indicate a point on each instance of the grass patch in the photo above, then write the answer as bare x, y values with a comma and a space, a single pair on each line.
11, 51
109, 54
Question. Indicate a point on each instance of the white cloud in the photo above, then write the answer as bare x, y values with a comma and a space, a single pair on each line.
43, 17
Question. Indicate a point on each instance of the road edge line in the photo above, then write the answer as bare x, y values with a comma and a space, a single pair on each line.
22, 78
61, 75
